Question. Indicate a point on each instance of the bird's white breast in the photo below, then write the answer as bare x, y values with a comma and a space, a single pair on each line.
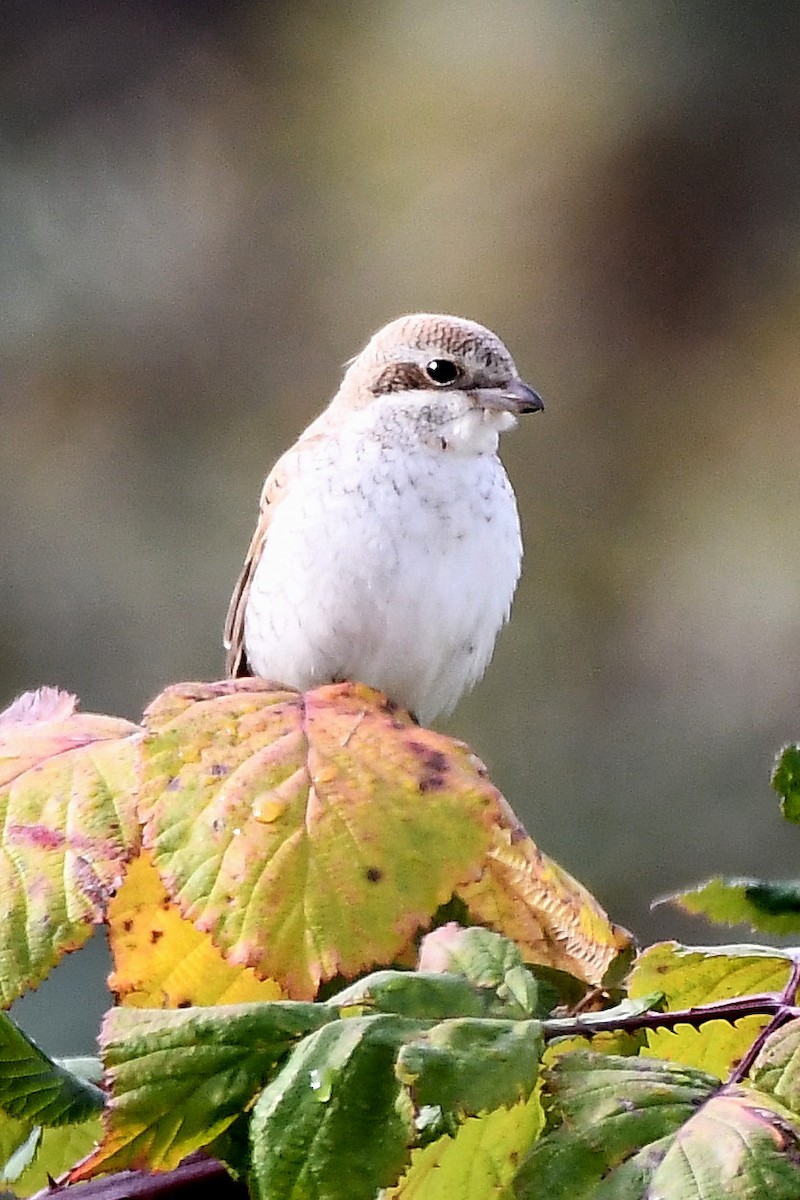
392, 564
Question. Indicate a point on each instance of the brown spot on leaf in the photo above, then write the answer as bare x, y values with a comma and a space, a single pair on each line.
431, 783
127, 926
435, 777
156, 936
184, 1004
374, 874
435, 760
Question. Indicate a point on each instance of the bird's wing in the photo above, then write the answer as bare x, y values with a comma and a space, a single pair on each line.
277, 485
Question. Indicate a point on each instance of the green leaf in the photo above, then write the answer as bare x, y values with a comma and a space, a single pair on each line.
179, 1078
610, 1107
422, 995
416, 994
480, 955
478, 1162
485, 958
786, 781
777, 1068
334, 1124
771, 907
469, 1066
690, 976
36, 1089
741, 1144
31, 1155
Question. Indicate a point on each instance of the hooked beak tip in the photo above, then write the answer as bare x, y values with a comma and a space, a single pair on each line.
524, 399
514, 397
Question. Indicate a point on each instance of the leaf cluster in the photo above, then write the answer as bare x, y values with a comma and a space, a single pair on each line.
344, 970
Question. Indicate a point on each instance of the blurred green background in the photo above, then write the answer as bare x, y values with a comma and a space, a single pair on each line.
206, 208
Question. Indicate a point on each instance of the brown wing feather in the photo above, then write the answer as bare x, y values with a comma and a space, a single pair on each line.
236, 664
277, 484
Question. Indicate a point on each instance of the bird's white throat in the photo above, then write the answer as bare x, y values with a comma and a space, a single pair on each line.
476, 431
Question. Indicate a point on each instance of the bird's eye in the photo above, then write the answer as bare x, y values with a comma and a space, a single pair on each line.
441, 371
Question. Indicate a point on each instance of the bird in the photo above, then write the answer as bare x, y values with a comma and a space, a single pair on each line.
387, 548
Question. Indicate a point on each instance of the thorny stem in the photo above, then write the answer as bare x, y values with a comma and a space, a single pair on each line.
762, 1003
787, 1009
781, 1006
197, 1178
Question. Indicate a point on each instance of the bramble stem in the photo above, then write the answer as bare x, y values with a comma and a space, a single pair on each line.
786, 1011
196, 1178
780, 1006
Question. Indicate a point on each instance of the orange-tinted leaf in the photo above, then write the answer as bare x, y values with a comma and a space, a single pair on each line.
161, 960
311, 835
67, 812
553, 919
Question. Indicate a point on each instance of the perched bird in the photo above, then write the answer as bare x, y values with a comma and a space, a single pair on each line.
388, 547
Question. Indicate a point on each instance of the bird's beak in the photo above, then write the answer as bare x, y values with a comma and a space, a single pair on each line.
513, 397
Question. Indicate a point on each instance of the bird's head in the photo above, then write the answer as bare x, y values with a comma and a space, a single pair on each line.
455, 377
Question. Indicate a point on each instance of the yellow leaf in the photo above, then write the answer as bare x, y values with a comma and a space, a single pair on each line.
690, 976
479, 1162
161, 960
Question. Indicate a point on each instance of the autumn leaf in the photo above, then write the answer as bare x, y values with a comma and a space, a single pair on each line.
316, 835
528, 897
310, 835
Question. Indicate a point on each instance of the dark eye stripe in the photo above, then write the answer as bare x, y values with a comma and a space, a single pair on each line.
400, 377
